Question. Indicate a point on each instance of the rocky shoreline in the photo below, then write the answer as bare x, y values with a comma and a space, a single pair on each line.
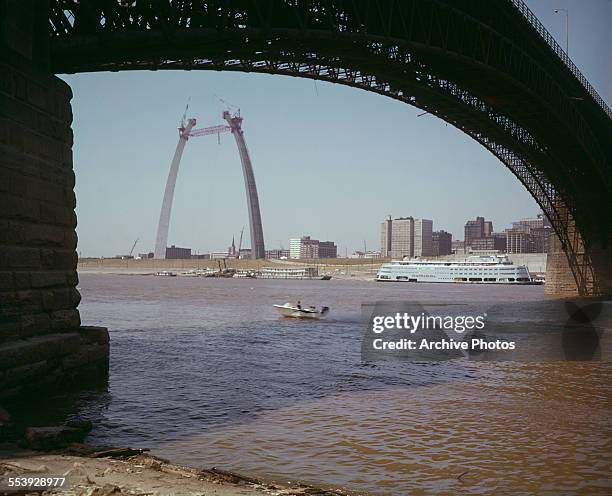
92, 472
47, 453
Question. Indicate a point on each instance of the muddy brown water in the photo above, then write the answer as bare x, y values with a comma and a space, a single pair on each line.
205, 374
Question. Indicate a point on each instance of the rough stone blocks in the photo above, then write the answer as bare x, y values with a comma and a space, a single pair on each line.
41, 342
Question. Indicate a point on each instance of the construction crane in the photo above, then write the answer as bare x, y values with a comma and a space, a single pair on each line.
240, 242
133, 246
229, 106
184, 118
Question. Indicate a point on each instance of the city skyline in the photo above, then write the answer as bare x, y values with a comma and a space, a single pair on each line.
182, 233
364, 156
411, 246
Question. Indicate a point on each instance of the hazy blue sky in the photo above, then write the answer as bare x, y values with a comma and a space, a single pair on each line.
330, 161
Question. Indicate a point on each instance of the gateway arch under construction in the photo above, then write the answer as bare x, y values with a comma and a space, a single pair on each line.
186, 131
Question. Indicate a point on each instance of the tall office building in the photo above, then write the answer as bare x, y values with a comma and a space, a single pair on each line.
402, 237
385, 237
442, 243
473, 229
295, 247
406, 237
423, 242
476, 229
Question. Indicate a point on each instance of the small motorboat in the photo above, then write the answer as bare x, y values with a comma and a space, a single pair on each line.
165, 273
300, 312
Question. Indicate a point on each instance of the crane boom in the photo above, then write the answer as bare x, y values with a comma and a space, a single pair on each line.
240, 243
133, 246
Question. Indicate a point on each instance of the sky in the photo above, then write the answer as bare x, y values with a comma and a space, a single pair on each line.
330, 161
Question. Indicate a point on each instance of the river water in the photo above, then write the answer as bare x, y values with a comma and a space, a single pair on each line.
205, 374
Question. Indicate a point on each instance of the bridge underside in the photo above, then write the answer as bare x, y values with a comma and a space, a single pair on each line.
488, 68
550, 135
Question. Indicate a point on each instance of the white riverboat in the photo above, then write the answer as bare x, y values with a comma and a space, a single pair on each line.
495, 269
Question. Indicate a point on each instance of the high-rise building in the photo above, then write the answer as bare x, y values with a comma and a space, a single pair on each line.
479, 228
295, 245
305, 247
473, 229
402, 237
406, 237
385, 237
442, 242
423, 229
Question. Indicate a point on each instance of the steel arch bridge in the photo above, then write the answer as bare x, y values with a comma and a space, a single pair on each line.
488, 67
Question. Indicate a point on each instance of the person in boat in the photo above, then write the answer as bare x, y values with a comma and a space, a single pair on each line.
299, 305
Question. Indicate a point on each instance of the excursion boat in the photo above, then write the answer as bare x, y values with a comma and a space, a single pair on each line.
300, 312
494, 269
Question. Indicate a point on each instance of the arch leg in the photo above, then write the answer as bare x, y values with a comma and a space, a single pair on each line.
161, 240
258, 249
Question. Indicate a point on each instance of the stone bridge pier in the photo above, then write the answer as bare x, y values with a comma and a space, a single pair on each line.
42, 344
596, 263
